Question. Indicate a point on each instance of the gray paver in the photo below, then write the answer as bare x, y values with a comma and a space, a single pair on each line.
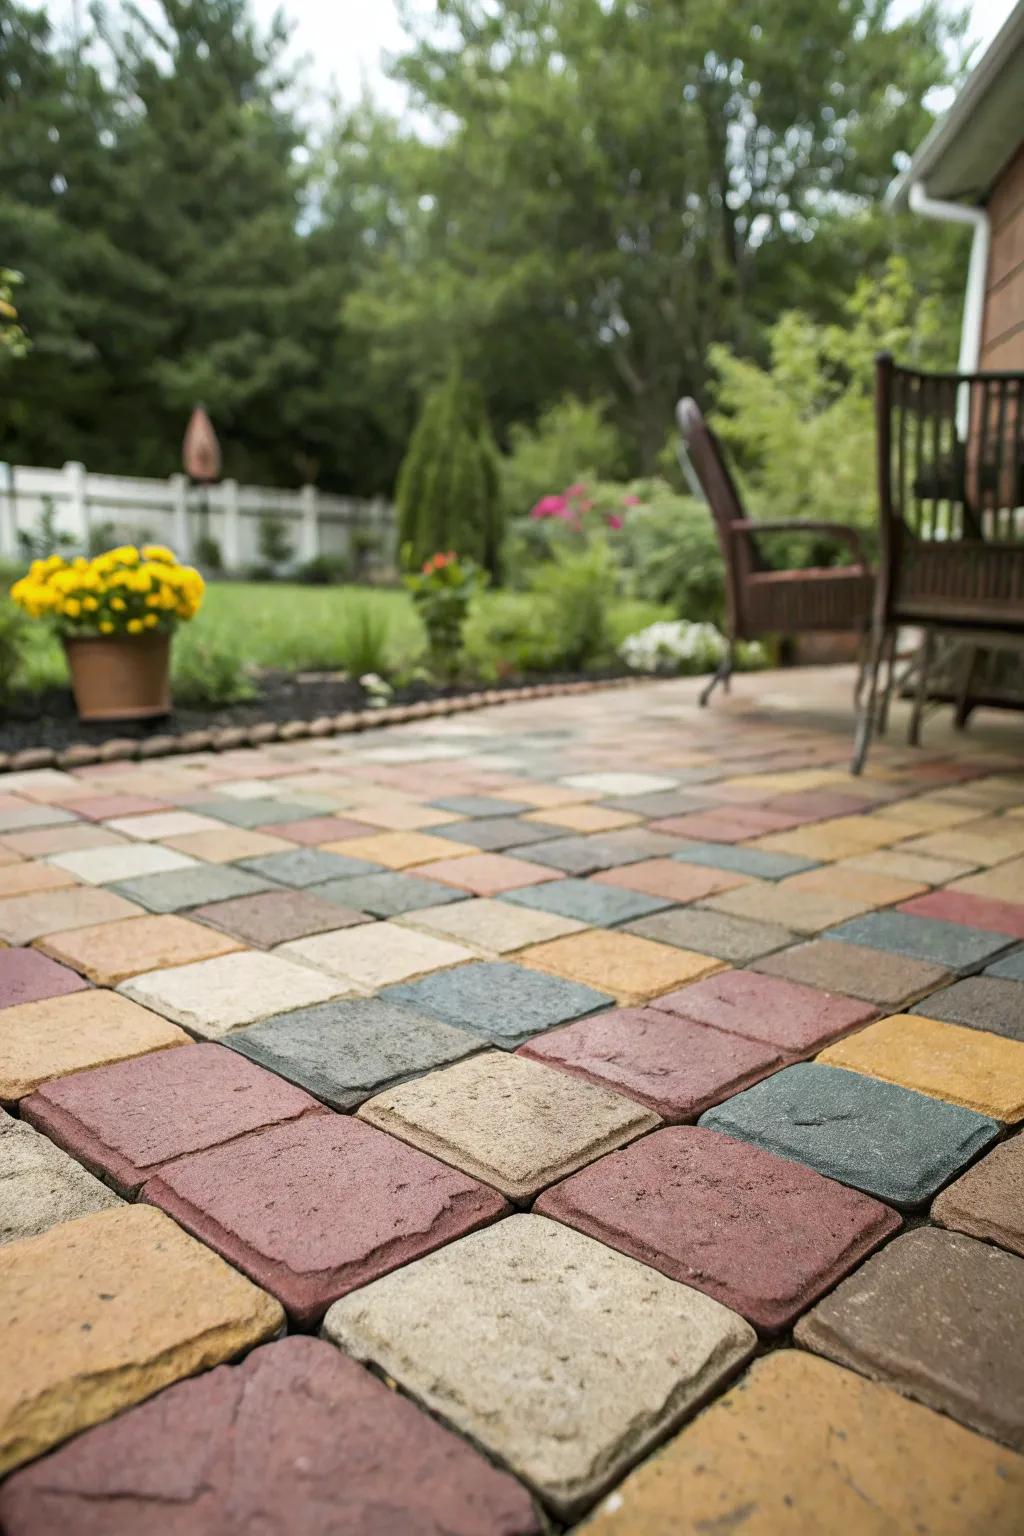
505, 1003
759, 862
387, 894
183, 888
979, 1002
952, 945
601, 906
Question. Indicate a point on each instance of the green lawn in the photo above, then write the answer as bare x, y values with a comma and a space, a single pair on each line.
277, 624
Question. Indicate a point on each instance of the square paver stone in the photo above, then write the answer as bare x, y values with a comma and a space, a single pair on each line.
505, 1003
480, 805
896, 1145
979, 1002
670, 879
274, 917
307, 866
401, 850
161, 825
20, 879
794, 1019
735, 939
131, 1119
757, 862
226, 844
988, 1200
42, 1186
97, 1314
86, 1029
631, 969
887, 979
488, 874
129, 861
376, 955
511, 1122
379, 1461
24, 918
214, 996
976, 911
494, 927
259, 812
495, 834
388, 894
620, 783
315, 1208
800, 1446
779, 902
675, 1067
762, 1235
112, 952
195, 887
981, 1071
345, 1051
950, 945
26, 976
883, 1321
1010, 967
598, 906
520, 1337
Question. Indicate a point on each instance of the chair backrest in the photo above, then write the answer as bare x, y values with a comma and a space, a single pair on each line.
705, 455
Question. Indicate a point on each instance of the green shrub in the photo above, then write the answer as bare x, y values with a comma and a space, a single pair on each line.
323, 571
669, 553
363, 641
275, 546
208, 672
46, 538
560, 624
13, 644
572, 441
208, 553
442, 592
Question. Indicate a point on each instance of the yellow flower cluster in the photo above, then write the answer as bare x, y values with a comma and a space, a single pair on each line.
125, 591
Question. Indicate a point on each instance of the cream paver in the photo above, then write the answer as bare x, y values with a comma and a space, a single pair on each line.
224, 844
72, 1033
801, 1447
162, 825
902, 865
801, 911
42, 1186
511, 1122
111, 952
492, 927
631, 969
212, 996
547, 1348
104, 866
100, 1313
969, 1067
375, 955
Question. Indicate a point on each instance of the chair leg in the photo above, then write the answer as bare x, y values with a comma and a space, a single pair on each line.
890, 681
964, 703
866, 711
722, 674
863, 652
923, 674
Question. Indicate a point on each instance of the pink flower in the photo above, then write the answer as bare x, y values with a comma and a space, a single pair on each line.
615, 521
631, 501
577, 490
550, 506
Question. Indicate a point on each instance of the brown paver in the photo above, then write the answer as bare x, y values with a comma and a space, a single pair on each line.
128, 1121
988, 1200
222, 845
275, 917
97, 1314
674, 881
982, 1072
313, 1209
794, 1019
887, 979
42, 1186
24, 918
323, 1440
70, 1034
511, 1122
487, 874
800, 1446
111, 952
939, 1317
631, 969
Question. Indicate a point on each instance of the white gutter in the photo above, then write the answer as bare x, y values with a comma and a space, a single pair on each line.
977, 275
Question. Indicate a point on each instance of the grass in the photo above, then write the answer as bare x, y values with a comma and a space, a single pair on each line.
302, 628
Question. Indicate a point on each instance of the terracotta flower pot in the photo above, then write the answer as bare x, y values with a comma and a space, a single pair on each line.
120, 677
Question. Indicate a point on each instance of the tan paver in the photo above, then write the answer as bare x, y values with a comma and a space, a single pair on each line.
520, 1336
630, 968
69, 1034
401, 816
970, 1067
44, 841
399, 850
18, 879
24, 918
112, 952
509, 1121
902, 865
1004, 882
100, 1313
213, 996
583, 818
492, 927
983, 843
672, 880
871, 887
225, 844
800, 911
841, 838
801, 1447
375, 954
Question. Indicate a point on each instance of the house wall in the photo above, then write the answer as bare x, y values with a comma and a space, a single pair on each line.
1002, 339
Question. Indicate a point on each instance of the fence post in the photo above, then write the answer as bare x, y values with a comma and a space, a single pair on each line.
78, 502
232, 526
179, 511
309, 529
8, 520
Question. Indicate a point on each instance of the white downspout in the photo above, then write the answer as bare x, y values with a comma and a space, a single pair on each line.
977, 275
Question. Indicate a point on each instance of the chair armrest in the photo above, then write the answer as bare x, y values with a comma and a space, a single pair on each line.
842, 532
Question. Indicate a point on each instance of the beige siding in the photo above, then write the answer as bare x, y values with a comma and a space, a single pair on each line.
1002, 345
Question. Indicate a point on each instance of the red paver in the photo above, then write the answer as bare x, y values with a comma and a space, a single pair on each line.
732, 825
677, 1067
26, 976
971, 911
298, 1438
317, 830
794, 1018
104, 807
674, 881
817, 804
763, 1236
130, 1120
313, 1210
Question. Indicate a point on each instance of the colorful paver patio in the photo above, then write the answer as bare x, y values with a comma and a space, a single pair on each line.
403, 1035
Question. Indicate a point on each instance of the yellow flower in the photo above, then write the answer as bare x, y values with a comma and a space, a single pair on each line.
118, 604
150, 620
135, 626
90, 604
72, 607
158, 552
106, 628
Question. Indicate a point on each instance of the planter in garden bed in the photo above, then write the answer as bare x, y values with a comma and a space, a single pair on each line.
120, 677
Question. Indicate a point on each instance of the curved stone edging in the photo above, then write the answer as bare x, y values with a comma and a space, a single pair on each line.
232, 737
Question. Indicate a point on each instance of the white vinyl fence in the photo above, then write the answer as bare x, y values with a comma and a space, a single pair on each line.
172, 512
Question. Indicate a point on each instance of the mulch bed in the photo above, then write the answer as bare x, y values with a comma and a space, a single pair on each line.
46, 730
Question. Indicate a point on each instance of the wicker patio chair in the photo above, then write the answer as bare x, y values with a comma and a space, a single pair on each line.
950, 462
760, 600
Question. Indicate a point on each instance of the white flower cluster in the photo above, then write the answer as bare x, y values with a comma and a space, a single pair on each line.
673, 646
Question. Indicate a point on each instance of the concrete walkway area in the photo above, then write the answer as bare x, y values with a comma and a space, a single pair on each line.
593, 1112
